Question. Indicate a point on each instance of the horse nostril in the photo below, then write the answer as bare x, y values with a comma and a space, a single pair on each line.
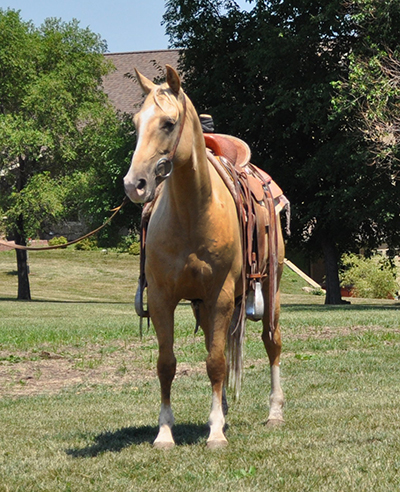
141, 184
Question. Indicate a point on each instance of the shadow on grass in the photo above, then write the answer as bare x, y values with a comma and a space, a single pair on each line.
114, 442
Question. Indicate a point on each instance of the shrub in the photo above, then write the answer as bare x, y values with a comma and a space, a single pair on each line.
56, 241
373, 277
88, 244
126, 242
134, 249
318, 292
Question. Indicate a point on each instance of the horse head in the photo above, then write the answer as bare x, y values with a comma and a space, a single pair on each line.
159, 125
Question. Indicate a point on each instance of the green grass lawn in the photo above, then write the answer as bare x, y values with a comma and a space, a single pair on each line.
79, 399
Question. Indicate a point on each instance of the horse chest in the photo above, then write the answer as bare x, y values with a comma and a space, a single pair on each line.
186, 272
191, 257
197, 268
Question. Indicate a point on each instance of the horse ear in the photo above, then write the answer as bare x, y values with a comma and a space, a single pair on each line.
173, 79
146, 84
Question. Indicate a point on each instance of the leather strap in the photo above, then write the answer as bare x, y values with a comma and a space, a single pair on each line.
171, 155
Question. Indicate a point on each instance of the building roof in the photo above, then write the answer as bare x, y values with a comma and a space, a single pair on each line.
125, 93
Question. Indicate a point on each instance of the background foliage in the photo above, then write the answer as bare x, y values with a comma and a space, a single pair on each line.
63, 148
373, 277
299, 81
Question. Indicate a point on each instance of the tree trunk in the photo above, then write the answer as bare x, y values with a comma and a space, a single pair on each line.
333, 293
24, 291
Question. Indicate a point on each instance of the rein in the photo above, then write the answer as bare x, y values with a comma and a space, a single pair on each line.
46, 248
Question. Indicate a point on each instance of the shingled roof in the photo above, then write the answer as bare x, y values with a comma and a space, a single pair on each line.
125, 93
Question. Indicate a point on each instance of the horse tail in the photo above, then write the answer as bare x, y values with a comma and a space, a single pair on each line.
234, 349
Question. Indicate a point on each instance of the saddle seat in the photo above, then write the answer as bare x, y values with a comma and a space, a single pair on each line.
238, 154
232, 148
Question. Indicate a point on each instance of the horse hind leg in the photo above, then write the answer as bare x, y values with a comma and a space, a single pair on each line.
273, 346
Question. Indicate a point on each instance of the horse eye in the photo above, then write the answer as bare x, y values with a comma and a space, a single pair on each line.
168, 125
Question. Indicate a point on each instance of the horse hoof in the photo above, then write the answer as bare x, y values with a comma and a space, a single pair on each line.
272, 423
163, 444
217, 444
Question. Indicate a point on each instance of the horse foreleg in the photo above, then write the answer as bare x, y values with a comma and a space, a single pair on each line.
163, 320
216, 372
215, 328
166, 368
274, 348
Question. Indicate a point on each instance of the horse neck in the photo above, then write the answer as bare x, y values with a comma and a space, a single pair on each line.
189, 186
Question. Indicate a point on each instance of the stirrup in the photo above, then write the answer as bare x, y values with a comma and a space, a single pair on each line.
139, 305
255, 303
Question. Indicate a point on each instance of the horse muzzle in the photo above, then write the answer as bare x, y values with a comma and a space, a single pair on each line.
140, 188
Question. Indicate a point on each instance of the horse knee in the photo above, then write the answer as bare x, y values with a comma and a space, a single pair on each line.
216, 368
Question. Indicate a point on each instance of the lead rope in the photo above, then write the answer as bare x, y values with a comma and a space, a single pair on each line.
46, 248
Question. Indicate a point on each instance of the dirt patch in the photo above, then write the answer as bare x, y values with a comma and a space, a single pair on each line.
27, 374
119, 365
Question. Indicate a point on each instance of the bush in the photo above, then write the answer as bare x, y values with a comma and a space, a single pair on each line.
88, 244
129, 244
56, 241
134, 249
373, 277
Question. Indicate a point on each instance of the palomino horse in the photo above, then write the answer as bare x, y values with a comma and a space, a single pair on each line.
193, 247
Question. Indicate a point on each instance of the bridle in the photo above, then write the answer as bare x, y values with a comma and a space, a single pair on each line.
165, 165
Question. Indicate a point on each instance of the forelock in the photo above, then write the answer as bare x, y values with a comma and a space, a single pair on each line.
166, 101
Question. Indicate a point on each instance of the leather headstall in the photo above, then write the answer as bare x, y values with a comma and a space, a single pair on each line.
165, 165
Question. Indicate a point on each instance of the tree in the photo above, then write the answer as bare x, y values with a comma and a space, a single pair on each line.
105, 181
369, 100
271, 76
53, 115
